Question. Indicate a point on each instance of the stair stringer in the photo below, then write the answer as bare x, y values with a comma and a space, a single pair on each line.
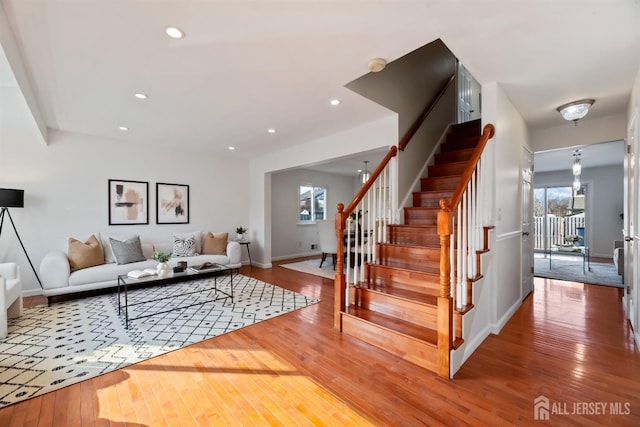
476, 323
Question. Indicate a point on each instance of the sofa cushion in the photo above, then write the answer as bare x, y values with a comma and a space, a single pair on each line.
183, 247
197, 236
215, 244
84, 254
106, 273
128, 251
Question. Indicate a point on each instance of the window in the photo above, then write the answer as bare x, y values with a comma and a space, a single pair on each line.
313, 202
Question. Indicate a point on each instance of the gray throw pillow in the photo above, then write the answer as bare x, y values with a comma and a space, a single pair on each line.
127, 251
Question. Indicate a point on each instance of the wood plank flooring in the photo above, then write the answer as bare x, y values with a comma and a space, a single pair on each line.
568, 342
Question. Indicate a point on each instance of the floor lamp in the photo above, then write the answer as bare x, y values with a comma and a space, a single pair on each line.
10, 198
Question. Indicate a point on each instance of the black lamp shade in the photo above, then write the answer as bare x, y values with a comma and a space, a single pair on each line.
10, 198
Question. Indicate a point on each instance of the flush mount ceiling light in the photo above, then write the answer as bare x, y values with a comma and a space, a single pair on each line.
377, 64
335, 102
174, 32
123, 128
141, 96
271, 130
575, 110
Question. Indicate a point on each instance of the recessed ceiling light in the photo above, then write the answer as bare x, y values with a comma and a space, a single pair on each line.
140, 96
123, 128
232, 148
335, 102
271, 131
174, 32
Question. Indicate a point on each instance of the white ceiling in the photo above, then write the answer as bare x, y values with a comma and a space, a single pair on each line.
246, 66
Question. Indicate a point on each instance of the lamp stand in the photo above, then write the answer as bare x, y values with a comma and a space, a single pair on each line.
2, 213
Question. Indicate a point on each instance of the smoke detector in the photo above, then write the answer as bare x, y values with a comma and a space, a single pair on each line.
377, 64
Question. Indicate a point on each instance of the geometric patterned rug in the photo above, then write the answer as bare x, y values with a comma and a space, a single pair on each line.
52, 347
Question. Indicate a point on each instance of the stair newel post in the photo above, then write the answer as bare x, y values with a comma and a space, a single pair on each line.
445, 302
340, 280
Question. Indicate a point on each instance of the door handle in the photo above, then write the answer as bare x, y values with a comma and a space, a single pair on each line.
628, 238
525, 233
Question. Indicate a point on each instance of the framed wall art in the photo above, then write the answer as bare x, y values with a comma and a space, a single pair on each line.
128, 202
172, 203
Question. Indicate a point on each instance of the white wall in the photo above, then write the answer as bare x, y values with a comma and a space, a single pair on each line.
376, 134
291, 238
499, 294
589, 131
512, 134
604, 203
65, 187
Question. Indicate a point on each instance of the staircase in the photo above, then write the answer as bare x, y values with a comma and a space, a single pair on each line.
396, 305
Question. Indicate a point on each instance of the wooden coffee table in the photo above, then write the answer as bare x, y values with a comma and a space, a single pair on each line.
125, 282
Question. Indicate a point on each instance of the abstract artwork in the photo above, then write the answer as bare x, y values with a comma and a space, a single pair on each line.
128, 202
172, 204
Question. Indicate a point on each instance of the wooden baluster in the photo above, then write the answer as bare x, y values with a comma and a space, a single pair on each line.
339, 281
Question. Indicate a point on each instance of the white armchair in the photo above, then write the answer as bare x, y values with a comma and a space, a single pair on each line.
10, 294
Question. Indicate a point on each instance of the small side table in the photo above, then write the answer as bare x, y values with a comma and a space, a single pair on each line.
246, 243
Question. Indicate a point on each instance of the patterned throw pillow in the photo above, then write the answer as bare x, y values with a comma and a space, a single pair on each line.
184, 246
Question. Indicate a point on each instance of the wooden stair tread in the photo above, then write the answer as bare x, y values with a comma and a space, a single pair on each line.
399, 265
394, 324
406, 294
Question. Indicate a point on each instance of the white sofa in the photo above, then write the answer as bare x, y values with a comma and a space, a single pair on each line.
58, 279
10, 294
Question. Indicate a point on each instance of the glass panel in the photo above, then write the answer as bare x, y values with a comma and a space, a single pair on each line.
305, 203
320, 198
559, 217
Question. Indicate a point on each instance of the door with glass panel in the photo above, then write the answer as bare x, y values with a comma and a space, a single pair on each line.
559, 217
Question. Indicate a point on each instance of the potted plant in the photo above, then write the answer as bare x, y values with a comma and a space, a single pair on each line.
240, 232
162, 269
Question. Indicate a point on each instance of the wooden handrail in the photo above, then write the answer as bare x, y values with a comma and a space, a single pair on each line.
425, 113
393, 151
487, 133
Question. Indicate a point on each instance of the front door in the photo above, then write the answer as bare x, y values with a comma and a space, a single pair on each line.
527, 219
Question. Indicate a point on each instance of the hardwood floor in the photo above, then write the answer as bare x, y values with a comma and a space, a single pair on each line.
568, 342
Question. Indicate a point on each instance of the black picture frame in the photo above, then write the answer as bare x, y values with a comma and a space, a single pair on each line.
172, 203
128, 202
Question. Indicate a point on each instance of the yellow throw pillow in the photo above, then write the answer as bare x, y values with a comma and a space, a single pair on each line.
215, 244
83, 255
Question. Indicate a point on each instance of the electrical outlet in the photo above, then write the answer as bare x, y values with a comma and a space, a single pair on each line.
314, 246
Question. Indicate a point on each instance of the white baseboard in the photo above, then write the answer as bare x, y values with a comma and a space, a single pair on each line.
497, 327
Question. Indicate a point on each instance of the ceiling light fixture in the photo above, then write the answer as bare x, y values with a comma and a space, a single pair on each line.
335, 102
271, 131
574, 111
231, 147
365, 175
174, 32
123, 128
377, 64
141, 96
